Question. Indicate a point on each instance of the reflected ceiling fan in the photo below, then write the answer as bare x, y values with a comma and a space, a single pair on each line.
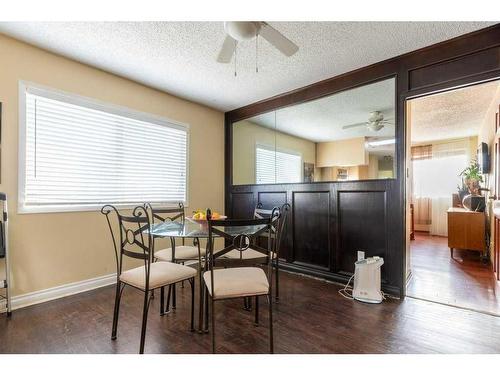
240, 31
375, 122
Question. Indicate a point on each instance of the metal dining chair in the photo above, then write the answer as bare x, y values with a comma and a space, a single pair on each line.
132, 238
238, 282
175, 254
280, 214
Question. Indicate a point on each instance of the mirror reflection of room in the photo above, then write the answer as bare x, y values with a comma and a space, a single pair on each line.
347, 136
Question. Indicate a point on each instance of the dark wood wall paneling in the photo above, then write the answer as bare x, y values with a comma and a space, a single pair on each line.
311, 228
243, 205
362, 225
330, 222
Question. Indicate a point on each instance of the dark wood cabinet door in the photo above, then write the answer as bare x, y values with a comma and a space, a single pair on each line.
362, 226
311, 224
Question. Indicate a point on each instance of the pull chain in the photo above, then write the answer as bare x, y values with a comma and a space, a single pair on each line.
257, 52
235, 53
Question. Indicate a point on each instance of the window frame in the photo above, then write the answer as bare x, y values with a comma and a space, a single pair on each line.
75, 99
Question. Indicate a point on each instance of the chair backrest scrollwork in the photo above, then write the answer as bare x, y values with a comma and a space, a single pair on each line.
279, 223
281, 226
166, 215
239, 234
132, 238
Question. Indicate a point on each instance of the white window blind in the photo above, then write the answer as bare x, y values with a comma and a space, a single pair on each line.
265, 171
288, 167
277, 166
81, 155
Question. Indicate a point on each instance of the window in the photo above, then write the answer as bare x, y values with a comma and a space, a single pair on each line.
277, 166
437, 172
434, 178
77, 154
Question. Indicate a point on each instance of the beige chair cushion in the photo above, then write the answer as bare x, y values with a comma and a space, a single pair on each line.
181, 253
160, 274
247, 254
237, 282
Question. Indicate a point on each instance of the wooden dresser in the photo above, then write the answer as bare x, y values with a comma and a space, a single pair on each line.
466, 230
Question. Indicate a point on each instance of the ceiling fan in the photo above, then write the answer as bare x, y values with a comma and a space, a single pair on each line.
375, 122
240, 31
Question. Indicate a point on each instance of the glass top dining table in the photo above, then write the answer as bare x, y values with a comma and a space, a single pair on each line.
189, 229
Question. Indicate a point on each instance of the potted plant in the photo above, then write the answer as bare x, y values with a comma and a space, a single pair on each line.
472, 177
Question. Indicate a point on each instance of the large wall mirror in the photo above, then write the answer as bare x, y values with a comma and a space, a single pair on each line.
345, 136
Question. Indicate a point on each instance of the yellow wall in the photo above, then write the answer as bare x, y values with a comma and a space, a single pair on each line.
343, 153
246, 135
49, 250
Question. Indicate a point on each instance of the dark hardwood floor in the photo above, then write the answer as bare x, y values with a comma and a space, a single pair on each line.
311, 318
462, 281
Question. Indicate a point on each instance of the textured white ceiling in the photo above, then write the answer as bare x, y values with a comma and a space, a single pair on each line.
453, 114
321, 120
179, 57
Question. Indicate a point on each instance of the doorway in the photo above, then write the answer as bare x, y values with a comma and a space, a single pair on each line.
451, 192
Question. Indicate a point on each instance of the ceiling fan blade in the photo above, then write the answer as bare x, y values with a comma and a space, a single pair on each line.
227, 51
278, 40
354, 125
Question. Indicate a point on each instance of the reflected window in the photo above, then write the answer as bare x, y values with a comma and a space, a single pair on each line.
265, 165
277, 167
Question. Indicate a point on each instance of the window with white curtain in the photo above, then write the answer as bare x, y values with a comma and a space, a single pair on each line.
78, 154
438, 176
435, 179
277, 166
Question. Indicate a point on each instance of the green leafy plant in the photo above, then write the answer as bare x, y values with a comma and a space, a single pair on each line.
472, 172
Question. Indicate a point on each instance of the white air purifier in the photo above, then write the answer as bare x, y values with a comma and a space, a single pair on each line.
367, 280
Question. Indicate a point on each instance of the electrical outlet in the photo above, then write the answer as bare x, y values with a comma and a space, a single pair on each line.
361, 255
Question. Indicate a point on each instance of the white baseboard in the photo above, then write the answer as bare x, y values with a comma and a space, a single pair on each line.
50, 294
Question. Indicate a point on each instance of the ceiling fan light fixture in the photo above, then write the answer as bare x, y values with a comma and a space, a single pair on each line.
376, 122
375, 126
239, 30
376, 116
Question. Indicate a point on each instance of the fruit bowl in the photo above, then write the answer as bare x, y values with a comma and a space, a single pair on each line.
203, 221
